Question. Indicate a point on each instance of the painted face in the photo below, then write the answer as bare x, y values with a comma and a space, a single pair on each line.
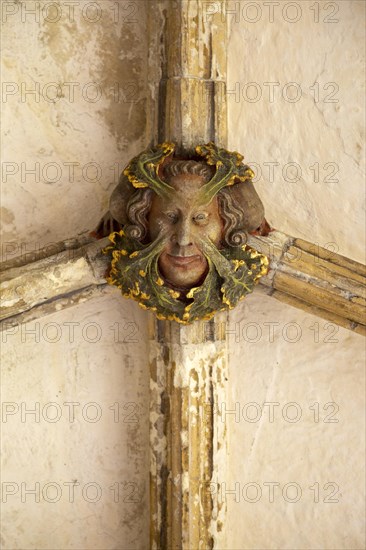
182, 262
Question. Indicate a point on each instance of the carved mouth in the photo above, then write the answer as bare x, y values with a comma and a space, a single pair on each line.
180, 261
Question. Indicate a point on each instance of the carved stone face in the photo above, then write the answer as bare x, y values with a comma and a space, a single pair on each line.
181, 250
182, 262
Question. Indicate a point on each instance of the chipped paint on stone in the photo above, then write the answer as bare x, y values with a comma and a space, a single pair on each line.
192, 384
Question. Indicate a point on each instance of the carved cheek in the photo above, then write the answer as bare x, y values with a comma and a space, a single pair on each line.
157, 226
156, 219
153, 228
214, 230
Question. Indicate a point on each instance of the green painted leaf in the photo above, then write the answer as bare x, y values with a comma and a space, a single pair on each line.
142, 171
238, 269
229, 167
206, 298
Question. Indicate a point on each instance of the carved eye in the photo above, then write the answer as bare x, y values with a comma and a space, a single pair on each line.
172, 216
201, 218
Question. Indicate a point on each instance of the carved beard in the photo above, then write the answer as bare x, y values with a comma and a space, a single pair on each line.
232, 273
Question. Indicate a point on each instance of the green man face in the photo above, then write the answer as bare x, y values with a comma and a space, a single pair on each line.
186, 223
181, 264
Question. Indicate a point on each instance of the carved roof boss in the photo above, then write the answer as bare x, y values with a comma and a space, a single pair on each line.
184, 222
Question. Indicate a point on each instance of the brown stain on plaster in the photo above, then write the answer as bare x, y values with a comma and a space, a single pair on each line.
166, 356
6, 216
194, 376
134, 512
125, 77
153, 369
117, 65
61, 40
218, 375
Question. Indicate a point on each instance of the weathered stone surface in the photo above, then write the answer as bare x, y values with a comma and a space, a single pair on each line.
193, 76
188, 366
84, 373
81, 142
297, 96
52, 278
325, 364
87, 67
315, 277
311, 374
313, 369
188, 379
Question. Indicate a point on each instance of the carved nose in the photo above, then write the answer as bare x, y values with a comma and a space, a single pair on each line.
183, 234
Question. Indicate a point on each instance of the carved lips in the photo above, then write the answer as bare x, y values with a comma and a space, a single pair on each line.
182, 261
